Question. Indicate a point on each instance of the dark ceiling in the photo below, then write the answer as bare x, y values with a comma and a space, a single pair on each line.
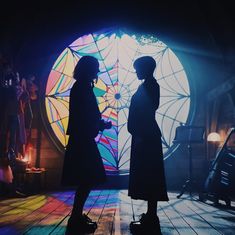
22, 22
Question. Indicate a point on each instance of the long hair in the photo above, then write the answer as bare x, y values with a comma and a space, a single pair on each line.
84, 65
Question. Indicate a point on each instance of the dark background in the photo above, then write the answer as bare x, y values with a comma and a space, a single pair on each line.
32, 30
200, 33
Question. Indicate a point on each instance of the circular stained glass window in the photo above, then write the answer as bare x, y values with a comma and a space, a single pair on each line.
116, 52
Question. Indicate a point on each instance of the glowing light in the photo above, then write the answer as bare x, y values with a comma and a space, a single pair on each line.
117, 83
28, 155
213, 137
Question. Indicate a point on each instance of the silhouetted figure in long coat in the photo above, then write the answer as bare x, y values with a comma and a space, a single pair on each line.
83, 164
147, 177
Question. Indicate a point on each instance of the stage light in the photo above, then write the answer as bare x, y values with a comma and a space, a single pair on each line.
213, 137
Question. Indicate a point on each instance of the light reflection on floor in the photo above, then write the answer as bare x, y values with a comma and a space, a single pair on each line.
42, 214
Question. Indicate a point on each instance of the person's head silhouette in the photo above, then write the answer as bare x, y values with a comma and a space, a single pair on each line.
86, 69
144, 67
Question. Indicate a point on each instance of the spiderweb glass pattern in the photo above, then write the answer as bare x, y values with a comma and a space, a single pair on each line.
117, 83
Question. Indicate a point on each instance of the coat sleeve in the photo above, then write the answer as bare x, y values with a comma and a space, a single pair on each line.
84, 115
141, 119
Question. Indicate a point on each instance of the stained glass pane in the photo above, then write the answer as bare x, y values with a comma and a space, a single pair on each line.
117, 82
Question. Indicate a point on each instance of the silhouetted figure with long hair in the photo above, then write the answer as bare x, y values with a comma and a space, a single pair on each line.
147, 176
83, 166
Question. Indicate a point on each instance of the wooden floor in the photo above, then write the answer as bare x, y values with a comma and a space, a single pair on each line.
113, 210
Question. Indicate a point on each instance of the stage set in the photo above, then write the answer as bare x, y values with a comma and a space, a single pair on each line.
113, 210
193, 45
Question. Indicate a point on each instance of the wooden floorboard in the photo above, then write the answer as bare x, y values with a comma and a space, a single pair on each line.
194, 221
125, 213
54, 212
113, 210
219, 219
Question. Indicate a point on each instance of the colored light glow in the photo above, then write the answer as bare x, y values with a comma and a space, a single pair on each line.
17, 207
116, 85
46, 214
213, 137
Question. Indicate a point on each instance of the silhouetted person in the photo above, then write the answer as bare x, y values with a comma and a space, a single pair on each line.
147, 177
83, 164
11, 95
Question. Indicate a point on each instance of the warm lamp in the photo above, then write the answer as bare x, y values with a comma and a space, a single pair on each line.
213, 137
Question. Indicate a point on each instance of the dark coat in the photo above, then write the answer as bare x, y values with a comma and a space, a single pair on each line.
82, 163
147, 177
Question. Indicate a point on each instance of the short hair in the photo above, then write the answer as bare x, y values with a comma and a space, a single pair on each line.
145, 62
84, 65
